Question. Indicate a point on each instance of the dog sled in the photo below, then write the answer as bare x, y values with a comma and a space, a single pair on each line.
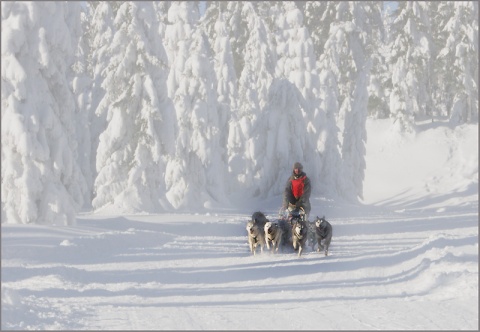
297, 219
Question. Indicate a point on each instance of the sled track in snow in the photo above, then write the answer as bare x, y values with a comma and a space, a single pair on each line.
111, 265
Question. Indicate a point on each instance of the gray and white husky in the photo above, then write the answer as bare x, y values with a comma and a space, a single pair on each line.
256, 232
323, 234
273, 235
299, 235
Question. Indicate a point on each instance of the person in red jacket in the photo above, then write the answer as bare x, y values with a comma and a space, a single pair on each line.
297, 190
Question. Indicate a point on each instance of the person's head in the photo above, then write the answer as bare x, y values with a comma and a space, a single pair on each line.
297, 168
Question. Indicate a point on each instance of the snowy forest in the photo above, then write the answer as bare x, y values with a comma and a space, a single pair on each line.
147, 107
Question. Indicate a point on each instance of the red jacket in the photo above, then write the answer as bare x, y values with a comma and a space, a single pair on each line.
297, 189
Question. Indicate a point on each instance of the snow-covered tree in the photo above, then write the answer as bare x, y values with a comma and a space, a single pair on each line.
134, 148
182, 19
235, 15
379, 85
254, 82
214, 11
328, 144
281, 138
41, 180
347, 53
439, 13
223, 64
409, 60
458, 85
80, 81
319, 15
296, 60
227, 89
355, 138
338, 56
297, 63
196, 176
258, 55
129, 102
100, 37
161, 10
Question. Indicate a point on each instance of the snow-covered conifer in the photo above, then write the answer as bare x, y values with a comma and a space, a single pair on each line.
347, 53
280, 139
355, 138
458, 86
81, 83
296, 59
182, 19
134, 148
379, 84
327, 143
297, 63
227, 89
254, 82
316, 12
161, 10
100, 36
41, 180
409, 60
195, 178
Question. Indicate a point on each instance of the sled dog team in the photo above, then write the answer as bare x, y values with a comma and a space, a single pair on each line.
293, 227
293, 230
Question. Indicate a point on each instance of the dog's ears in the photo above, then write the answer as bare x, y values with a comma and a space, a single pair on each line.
322, 218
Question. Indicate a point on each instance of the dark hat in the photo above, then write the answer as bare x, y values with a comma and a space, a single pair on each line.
298, 165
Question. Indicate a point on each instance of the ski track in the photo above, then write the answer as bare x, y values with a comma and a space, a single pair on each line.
135, 273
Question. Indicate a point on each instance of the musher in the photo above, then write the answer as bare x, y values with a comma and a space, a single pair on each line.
297, 191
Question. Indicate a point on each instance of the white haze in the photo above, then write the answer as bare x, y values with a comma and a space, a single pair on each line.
134, 154
141, 107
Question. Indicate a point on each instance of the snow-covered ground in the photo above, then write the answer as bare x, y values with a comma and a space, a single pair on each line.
406, 259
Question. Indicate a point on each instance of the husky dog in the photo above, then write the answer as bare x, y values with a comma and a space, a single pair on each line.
323, 233
256, 232
259, 218
274, 235
299, 235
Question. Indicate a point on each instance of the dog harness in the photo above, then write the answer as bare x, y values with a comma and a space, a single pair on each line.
297, 186
270, 234
299, 236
